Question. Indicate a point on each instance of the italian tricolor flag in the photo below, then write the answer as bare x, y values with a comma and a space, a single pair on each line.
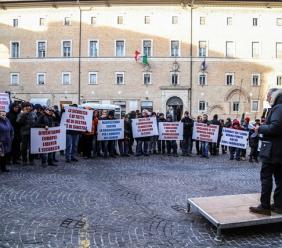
141, 59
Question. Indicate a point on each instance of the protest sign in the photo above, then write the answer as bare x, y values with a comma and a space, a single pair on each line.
45, 141
204, 132
4, 102
170, 130
110, 129
144, 127
77, 119
234, 138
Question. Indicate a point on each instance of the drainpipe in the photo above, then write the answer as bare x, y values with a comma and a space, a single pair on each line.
191, 54
79, 56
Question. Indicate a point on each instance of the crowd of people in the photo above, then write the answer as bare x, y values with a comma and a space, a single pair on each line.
15, 129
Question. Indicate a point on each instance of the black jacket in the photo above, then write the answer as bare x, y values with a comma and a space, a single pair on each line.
188, 124
272, 131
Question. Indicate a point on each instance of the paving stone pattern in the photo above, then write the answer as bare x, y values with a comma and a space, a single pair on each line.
124, 202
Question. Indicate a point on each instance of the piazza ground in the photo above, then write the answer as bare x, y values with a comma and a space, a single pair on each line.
124, 202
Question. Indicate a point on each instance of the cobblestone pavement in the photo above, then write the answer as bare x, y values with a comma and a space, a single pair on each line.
124, 202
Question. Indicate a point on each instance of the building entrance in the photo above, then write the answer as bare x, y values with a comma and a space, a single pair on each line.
174, 107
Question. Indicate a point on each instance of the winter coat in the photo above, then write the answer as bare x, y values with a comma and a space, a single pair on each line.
26, 122
12, 116
127, 129
6, 134
45, 120
272, 131
188, 124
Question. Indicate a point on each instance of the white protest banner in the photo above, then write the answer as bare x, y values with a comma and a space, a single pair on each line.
45, 141
204, 132
234, 138
170, 130
144, 127
110, 129
4, 102
77, 119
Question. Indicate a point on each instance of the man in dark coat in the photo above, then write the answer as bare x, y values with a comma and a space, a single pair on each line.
215, 146
272, 160
187, 134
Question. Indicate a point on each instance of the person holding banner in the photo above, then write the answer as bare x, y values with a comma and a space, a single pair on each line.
161, 143
123, 144
187, 134
205, 144
143, 142
104, 143
6, 138
45, 120
235, 150
271, 156
171, 144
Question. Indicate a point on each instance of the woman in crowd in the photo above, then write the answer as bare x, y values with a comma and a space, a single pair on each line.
6, 139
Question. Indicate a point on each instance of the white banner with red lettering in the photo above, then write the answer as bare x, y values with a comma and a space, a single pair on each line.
45, 141
204, 132
4, 102
144, 127
170, 130
77, 119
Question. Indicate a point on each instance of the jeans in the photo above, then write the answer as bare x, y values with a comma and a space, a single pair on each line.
171, 145
47, 157
153, 144
236, 151
142, 147
25, 148
205, 149
123, 146
71, 146
161, 146
266, 173
187, 145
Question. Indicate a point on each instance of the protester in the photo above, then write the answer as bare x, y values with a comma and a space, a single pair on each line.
253, 143
153, 140
171, 144
198, 147
15, 154
112, 143
6, 139
187, 134
124, 144
26, 120
271, 157
235, 150
215, 146
143, 142
161, 143
205, 144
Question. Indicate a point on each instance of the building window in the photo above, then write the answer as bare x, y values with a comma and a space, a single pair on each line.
147, 78
119, 77
202, 20
120, 48
279, 80
202, 106
41, 49
279, 21
120, 20
67, 21
255, 106
202, 48
15, 23
66, 48
122, 105
174, 79
255, 22
255, 49
279, 50
40, 78
229, 78
229, 21
93, 48
92, 78
174, 48
174, 20
93, 20
255, 79
230, 49
14, 78
147, 48
41, 21
235, 106
147, 20
15, 49
66, 78
202, 79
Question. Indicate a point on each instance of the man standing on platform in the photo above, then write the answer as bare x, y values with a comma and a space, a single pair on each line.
271, 156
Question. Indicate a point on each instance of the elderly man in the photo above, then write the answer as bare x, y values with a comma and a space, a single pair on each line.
271, 156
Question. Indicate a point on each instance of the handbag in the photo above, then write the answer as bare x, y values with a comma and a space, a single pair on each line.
265, 150
2, 154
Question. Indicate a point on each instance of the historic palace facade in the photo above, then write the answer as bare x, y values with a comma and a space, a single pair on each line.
203, 56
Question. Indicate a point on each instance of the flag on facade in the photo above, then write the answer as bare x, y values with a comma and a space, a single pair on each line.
141, 59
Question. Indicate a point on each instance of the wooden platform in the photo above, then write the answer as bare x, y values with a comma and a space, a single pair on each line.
231, 211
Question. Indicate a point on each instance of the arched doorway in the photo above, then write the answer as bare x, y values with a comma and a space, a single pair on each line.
174, 107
